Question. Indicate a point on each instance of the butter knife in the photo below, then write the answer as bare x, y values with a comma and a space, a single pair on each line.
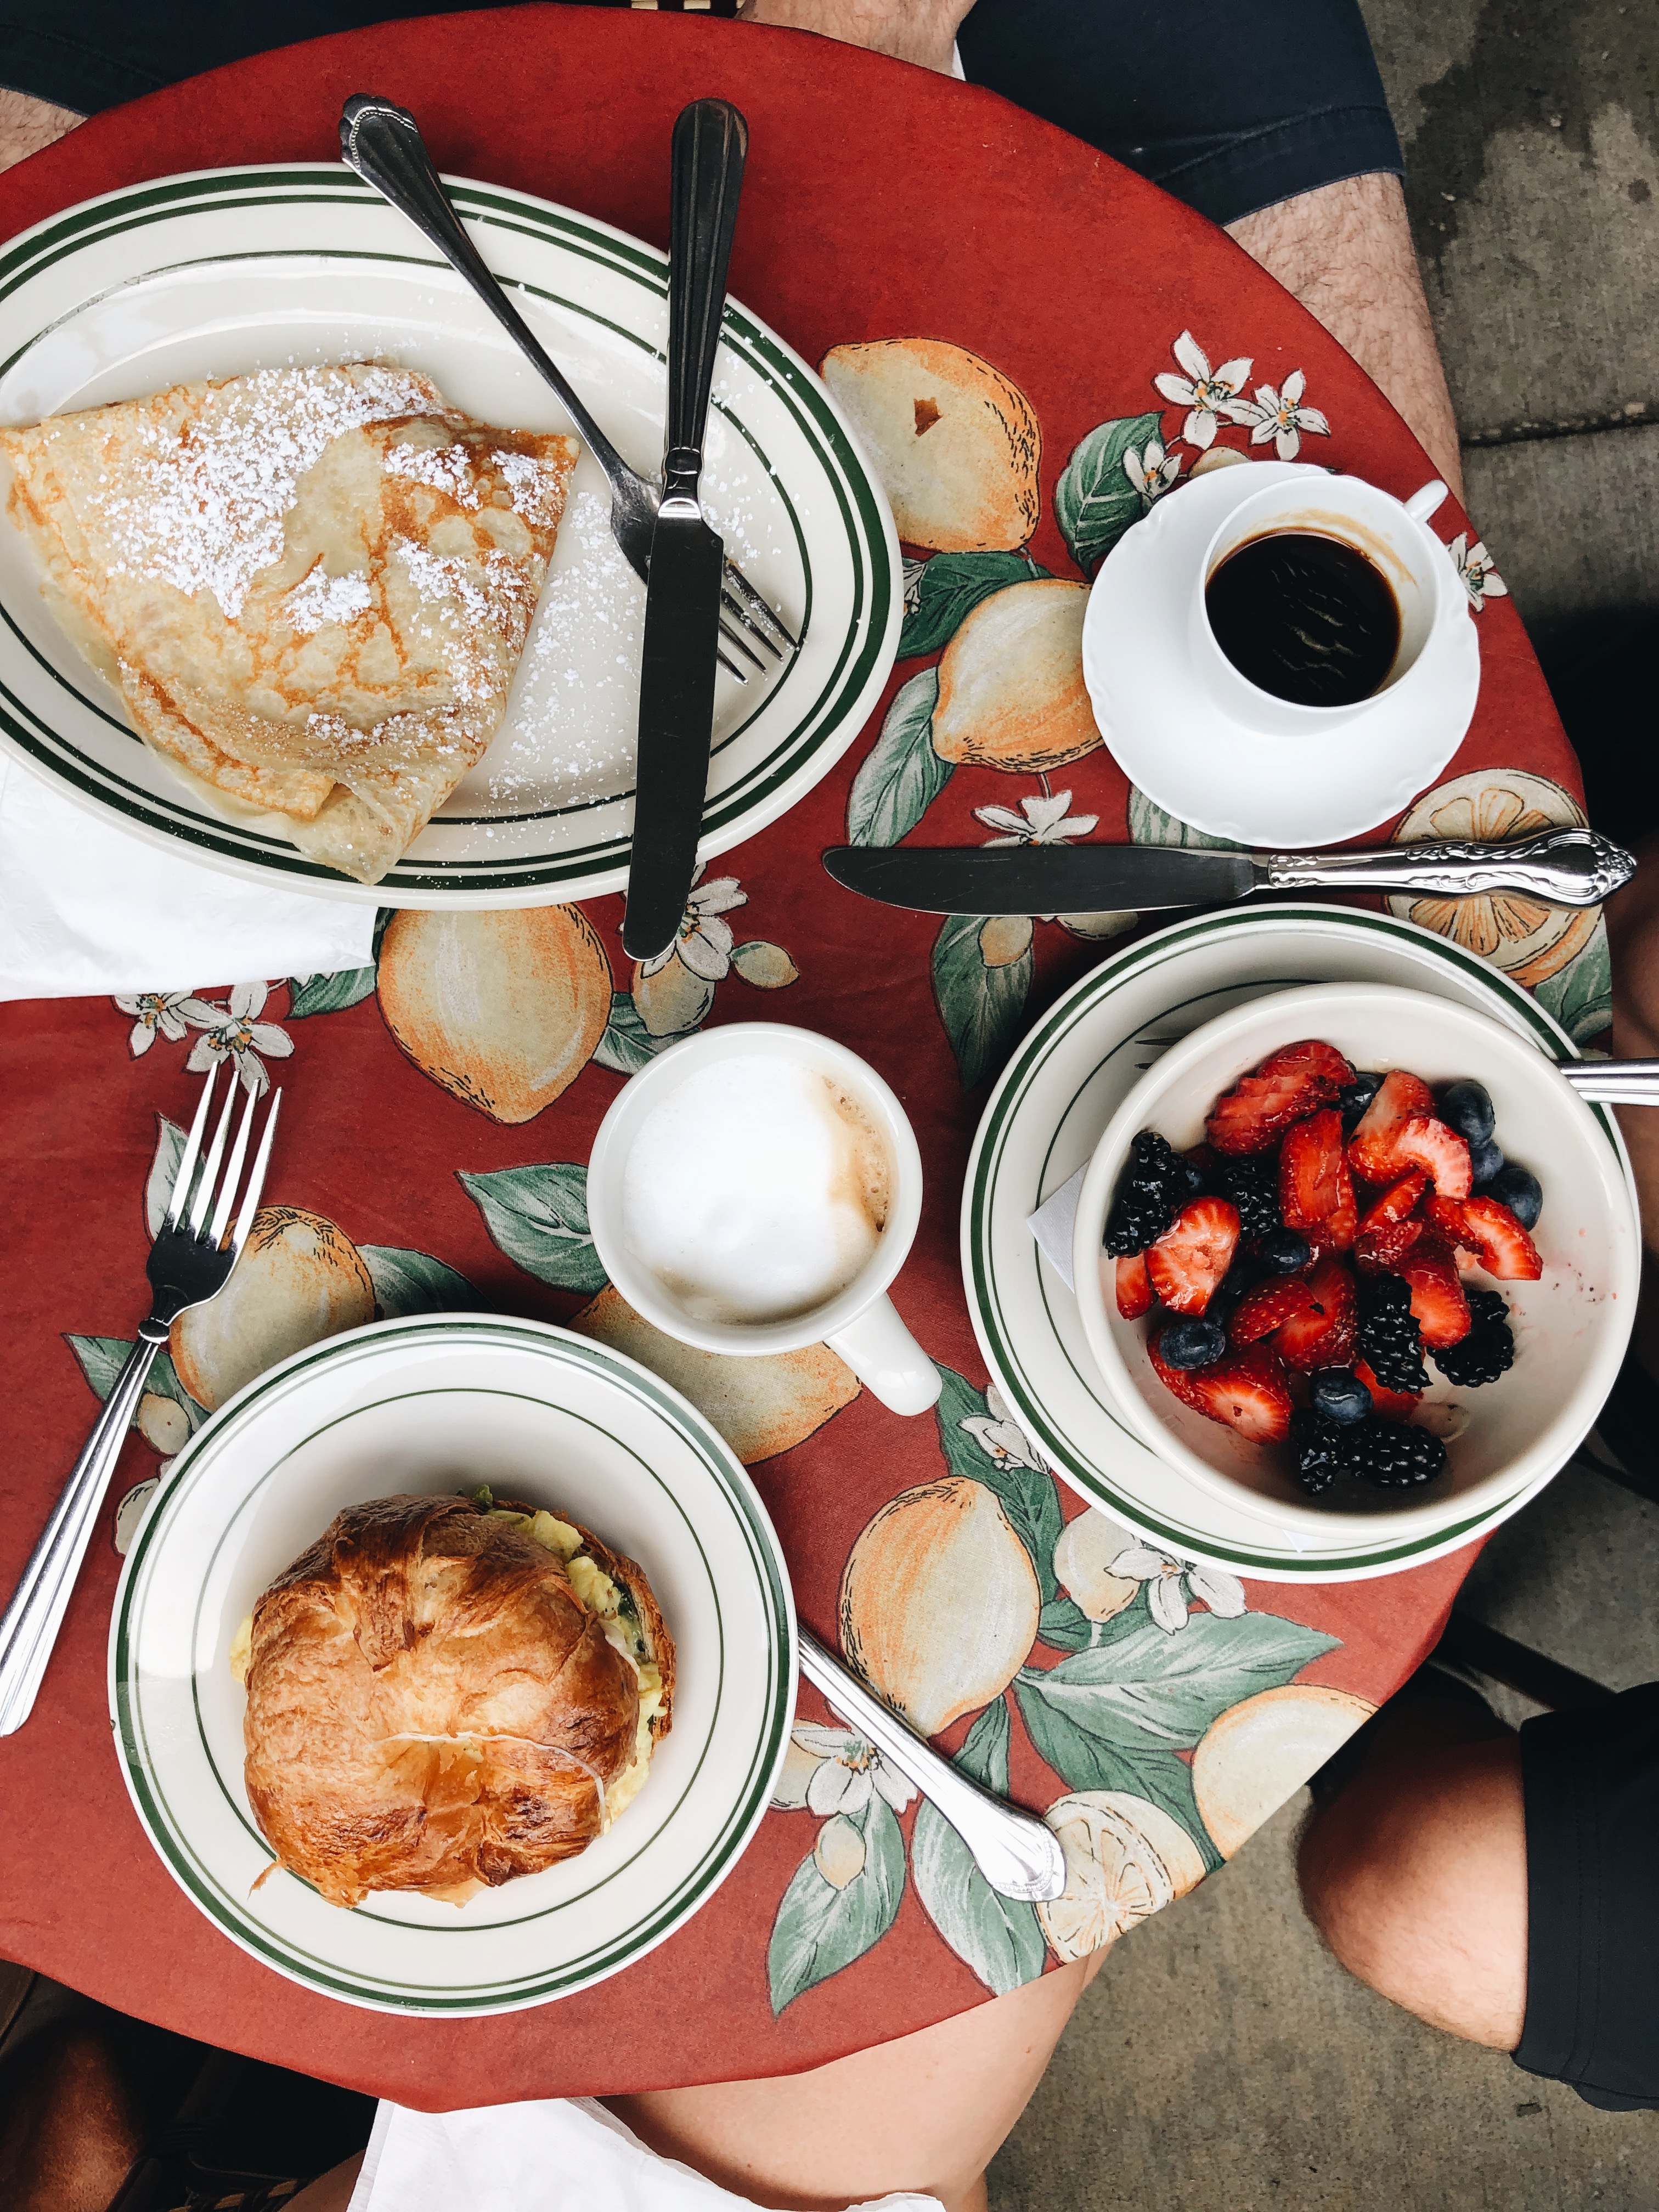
683, 583
1561, 867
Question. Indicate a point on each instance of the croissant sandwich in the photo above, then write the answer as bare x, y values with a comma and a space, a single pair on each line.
443, 1694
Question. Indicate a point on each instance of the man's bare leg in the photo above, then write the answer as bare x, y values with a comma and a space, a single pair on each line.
27, 125
1345, 251
921, 31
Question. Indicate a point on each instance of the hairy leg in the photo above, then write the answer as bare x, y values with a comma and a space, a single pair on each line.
69, 2129
1415, 1873
927, 2112
27, 125
921, 31
1345, 251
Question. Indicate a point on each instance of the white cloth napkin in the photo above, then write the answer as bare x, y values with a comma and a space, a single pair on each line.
1052, 1222
86, 908
560, 2155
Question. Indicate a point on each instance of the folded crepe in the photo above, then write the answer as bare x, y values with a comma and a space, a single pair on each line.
443, 1694
312, 586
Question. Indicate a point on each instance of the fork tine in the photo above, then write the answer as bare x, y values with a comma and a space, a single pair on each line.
737, 587
256, 1182
727, 661
233, 1173
186, 1166
741, 614
196, 1218
743, 646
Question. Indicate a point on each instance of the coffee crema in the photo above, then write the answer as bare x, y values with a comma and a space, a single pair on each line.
1305, 616
757, 1190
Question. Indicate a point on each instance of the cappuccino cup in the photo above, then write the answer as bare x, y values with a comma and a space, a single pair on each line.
755, 1189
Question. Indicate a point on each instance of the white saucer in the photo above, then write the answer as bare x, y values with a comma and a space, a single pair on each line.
1172, 739
1044, 1119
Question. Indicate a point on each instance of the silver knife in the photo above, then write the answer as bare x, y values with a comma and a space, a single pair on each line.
1562, 867
682, 584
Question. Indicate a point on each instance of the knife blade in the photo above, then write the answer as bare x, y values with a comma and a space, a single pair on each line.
682, 584
1563, 867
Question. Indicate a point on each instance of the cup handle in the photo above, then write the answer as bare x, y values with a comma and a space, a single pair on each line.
887, 1359
1427, 501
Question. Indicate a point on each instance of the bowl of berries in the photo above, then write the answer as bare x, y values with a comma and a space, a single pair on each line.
1357, 1250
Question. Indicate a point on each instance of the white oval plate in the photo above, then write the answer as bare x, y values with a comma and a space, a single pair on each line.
230, 270
435, 1404
1043, 1121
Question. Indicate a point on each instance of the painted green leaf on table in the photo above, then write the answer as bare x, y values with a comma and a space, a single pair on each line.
1027, 1495
999, 1938
627, 1044
981, 1004
1150, 824
902, 774
101, 1360
1095, 500
821, 1927
329, 994
1581, 996
1084, 1760
1064, 1625
538, 1216
410, 1282
950, 587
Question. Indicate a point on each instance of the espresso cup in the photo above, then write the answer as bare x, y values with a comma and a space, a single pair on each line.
1392, 535
668, 1202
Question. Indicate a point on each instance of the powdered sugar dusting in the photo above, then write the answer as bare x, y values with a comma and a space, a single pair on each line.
448, 469
320, 600
537, 486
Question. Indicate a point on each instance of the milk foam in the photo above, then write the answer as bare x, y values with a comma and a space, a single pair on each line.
756, 1190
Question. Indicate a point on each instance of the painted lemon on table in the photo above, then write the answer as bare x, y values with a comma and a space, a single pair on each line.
300, 1278
1126, 1859
939, 1602
1011, 689
1252, 1759
503, 1009
1083, 1565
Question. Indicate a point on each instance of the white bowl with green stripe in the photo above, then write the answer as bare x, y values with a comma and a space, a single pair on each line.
233, 270
433, 1404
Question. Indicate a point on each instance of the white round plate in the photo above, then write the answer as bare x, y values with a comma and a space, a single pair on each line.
436, 1404
235, 270
1170, 737
1043, 1121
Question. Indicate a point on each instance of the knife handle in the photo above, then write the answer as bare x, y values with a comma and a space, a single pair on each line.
1563, 867
710, 145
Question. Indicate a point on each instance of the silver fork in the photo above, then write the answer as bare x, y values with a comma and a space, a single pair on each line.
383, 143
189, 1262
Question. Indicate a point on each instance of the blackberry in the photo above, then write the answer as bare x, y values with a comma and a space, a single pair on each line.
1151, 1192
1467, 1108
1519, 1189
1488, 1350
1390, 1341
1354, 1097
1340, 1396
1192, 1341
1392, 1454
1318, 1445
1252, 1184
1283, 1252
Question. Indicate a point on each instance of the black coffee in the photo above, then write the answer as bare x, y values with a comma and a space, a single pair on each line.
1305, 616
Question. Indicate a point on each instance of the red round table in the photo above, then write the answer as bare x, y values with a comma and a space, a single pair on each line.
882, 202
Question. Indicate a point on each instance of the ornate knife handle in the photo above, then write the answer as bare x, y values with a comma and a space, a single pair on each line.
1563, 867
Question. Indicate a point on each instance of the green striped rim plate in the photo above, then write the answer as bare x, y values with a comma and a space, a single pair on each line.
1042, 1123
233, 270
436, 1404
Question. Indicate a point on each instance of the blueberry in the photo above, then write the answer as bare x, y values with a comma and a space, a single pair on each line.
1485, 1161
1521, 1191
1192, 1341
1191, 1174
1283, 1252
1338, 1393
1467, 1107
1357, 1095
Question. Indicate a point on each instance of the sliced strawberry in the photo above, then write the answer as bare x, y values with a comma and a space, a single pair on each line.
1397, 1202
1370, 1148
1134, 1290
1193, 1253
1259, 1108
1445, 1217
1391, 1405
1323, 1334
1438, 1299
1178, 1380
1504, 1247
1311, 1054
1421, 1141
1316, 1192
1263, 1309
1380, 1251
1246, 1391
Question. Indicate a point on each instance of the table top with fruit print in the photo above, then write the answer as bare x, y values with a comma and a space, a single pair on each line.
1037, 346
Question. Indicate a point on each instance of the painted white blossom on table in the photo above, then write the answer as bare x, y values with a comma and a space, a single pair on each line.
1280, 416
1474, 564
998, 1433
913, 584
237, 1034
1151, 469
1043, 819
1208, 393
703, 941
171, 1014
1174, 1582
833, 1770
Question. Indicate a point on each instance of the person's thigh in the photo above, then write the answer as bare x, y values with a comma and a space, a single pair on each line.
927, 2112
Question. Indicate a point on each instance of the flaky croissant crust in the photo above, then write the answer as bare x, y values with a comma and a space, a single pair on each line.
429, 1705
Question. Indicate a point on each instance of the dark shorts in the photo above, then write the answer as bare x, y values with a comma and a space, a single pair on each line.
1228, 108
1591, 1783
